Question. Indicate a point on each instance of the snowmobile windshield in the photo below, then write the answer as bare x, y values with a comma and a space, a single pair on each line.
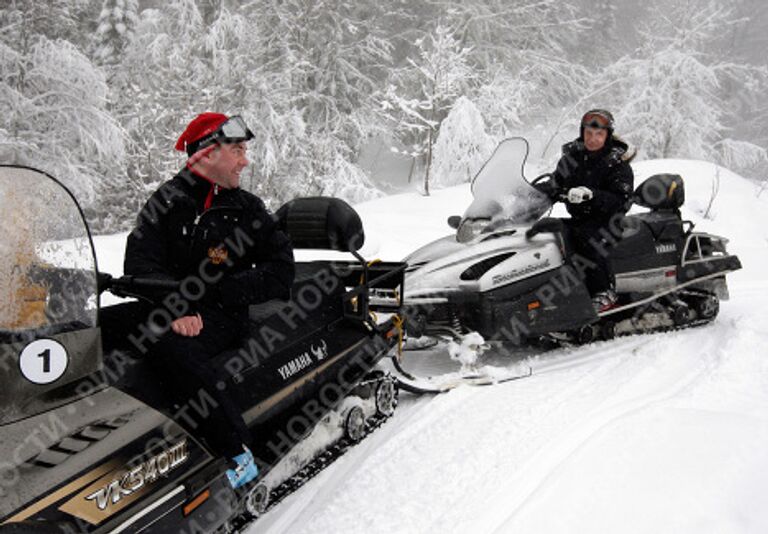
502, 196
48, 286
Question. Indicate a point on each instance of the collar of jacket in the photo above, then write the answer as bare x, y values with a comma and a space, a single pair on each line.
202, 189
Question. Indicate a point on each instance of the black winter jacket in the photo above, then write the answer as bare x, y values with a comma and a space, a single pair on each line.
606, 172
234, 246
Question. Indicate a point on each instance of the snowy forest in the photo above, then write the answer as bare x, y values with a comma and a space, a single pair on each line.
96, 92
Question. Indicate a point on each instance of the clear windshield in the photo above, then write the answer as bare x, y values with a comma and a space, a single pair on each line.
501, 193
48, 296
47, 267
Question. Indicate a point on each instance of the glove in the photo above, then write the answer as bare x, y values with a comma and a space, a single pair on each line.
577, 195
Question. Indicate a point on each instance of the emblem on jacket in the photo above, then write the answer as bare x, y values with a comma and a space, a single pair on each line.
218, 255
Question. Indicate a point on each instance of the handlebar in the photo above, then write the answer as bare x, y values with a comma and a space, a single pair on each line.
131, 286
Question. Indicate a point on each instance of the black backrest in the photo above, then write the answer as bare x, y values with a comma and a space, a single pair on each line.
661, 192
322, 222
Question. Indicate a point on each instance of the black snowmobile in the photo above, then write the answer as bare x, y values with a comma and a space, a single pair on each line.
88, 441
509, 274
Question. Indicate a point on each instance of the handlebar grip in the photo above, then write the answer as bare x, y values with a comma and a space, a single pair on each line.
129, 285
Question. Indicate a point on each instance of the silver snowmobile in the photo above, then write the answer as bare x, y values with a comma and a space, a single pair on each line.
509, 274
91, 440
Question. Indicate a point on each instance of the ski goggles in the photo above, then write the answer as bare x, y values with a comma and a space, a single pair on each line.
597, 119
233, 130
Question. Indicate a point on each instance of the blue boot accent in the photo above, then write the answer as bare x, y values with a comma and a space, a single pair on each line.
245, 471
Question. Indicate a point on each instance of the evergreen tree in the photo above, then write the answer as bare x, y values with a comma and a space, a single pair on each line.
117, 22
462, 145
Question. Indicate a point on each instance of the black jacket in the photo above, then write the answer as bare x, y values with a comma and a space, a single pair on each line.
606, 172
234, 246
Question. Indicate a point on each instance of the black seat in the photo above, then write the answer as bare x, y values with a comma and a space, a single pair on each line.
663, 225
322, 223
317, 287
663, 194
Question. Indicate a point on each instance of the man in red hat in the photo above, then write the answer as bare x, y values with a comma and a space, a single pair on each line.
201, 229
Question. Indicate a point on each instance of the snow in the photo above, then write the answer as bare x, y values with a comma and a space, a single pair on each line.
466, 352
653, 433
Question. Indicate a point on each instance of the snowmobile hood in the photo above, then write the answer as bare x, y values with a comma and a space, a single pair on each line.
485, 263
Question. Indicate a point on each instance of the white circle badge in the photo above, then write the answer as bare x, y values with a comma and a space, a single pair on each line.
43, 361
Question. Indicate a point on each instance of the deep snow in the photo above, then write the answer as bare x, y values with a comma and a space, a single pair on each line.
652, 433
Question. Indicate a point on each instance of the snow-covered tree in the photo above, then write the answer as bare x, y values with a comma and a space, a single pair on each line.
529, 41
670, 97
155, 88
462, 145
302, 74
117, 22
53, 105
313, 93
424, 91
523, 57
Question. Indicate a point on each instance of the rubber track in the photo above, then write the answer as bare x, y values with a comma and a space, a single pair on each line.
244, 521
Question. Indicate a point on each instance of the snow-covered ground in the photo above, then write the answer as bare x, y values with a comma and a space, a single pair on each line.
653, 433
658, 433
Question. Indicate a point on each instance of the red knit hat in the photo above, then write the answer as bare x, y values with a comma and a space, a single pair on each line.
202, 125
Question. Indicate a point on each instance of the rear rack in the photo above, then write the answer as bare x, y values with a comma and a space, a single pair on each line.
386, 279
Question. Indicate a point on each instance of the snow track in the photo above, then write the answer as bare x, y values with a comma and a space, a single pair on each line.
499, 459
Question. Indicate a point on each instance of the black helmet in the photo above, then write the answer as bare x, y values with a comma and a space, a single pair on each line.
597, 118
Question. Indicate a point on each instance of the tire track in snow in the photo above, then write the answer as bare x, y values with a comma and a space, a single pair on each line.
434, 449
537, 473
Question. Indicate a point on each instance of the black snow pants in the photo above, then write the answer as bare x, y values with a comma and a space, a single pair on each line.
198, 387
592, 242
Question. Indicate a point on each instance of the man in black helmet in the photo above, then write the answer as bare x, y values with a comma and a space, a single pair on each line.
201, 227
594, 179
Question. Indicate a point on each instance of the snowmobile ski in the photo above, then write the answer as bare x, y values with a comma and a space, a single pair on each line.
428, 385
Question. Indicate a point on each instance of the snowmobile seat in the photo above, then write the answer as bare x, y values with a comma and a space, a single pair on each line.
322, 223
316, 286
661, 192
325, 223
124, 366
663, 225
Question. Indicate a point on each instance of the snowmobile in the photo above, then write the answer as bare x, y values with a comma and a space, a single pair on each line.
509, 273
92, 441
